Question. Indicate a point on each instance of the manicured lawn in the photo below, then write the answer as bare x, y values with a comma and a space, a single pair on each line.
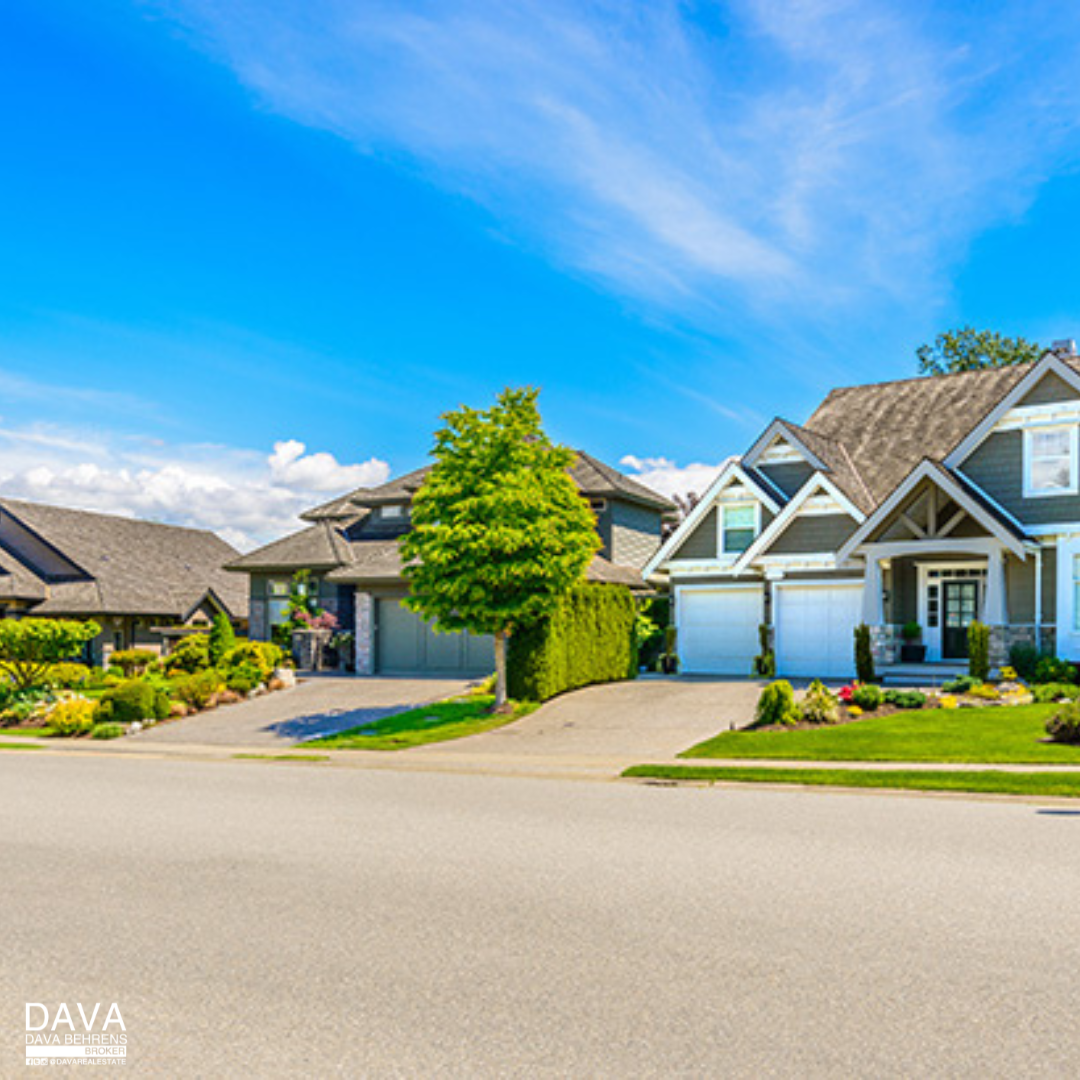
983, 781
972, 736
445, 720
27, 733
19, 746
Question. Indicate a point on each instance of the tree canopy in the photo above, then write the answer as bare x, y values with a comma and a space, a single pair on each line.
29, 646
499, 529
968, 349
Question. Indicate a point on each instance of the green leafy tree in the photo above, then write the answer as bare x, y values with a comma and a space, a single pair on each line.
968, 349
29, 646
499, 530
222, 638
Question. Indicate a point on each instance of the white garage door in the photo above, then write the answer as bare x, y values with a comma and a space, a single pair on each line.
815, 626
718, 629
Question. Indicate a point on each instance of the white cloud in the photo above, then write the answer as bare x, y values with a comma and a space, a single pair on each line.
246, 497
663, 475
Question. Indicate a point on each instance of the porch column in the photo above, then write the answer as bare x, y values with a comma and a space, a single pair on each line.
994, 606
365, 633
873, 608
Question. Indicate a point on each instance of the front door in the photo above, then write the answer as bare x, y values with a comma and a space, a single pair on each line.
961, 610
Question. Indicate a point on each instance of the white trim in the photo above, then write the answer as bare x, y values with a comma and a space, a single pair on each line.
1074, 461
1025, 416
1064, 528
778, 623
757, 586
732, 470
780, 428
781, 521
889, 549
928, 470
931, 635
721, 509
1049, 362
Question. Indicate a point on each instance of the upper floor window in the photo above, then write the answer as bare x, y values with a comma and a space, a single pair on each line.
738, 527
392, 511
1050, 461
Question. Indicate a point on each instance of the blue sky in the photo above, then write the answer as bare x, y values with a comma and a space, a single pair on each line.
250, 251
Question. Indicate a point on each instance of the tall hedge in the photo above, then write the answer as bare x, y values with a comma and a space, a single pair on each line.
588, 639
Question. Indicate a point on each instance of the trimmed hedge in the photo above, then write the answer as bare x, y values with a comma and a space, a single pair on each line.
589, 639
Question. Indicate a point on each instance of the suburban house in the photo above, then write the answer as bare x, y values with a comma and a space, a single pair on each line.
143, 582
351, 550
938, 500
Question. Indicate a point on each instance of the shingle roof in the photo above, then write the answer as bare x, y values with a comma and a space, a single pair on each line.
132, 567
320, 545
400, 489
17, 580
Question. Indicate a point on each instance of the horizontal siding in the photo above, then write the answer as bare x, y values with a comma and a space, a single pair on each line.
789, 476
997, 467
702, 542
1049, 390
1020, 587
813, 533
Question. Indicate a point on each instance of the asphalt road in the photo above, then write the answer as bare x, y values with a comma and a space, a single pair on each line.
258, 919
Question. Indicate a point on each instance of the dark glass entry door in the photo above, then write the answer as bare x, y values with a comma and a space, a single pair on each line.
961, 610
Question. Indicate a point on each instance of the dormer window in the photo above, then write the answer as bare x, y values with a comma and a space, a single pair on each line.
1050, 461
392, 511
739, 527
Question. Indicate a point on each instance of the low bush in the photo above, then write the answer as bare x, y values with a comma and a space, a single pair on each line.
819, 705
133, 700
263, 656
1064, 725
23, 705
777, 706
764, 666
1055, 691
222, 638
960, 685
868, 697
72, 717
198, 690
107, 731
985, 692
68, 676
132, 662
190, 654
1052, 670
243, 678
905, 699
1024, 659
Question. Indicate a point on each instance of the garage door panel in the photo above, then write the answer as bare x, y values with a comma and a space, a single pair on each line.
718, 629
815, 627
406, 644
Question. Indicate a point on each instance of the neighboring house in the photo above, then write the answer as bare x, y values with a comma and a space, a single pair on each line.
143, 582
351, 550
937, 500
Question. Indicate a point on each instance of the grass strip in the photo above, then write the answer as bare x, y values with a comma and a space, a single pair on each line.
981, 781
19, 746
283, 757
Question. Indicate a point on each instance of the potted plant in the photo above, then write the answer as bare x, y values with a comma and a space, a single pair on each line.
669, 662
912, 651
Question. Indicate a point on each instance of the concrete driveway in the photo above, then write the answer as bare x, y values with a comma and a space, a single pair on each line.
316, 706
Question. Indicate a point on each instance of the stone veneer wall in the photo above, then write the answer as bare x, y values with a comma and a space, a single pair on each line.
1003, 638
365, 633
885, 642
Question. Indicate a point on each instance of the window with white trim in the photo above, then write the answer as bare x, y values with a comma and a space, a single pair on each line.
739, 526
1050, 461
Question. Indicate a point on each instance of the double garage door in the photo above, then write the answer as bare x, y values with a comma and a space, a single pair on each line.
406, 645
813, 628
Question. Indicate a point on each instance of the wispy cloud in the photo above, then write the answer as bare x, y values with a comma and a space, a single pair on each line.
810, 155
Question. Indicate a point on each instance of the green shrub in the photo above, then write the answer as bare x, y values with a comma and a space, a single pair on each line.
74, 717
133, 700
190, 654
1056, 691
243, 678
911, 631
264, 656
985, 691
820, 705
905, 699
1050, 670
281, 636
776, 706
868, 697
1064, 725
765, 661
197, 691
222, 638
22, 705
107, 731
960, 685
979, 651
864, 655
658, 610
68, 676
588, 639
132, 662
1024, 659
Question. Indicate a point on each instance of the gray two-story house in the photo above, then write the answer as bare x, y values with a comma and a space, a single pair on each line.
351, 550
937, 501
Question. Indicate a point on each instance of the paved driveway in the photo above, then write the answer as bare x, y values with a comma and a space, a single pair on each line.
316, 706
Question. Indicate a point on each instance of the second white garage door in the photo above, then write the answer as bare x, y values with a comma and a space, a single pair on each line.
718, 629
815, 628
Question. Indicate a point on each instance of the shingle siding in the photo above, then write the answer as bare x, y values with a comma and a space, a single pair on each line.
813, 533
789, 476
997, 466
1049, 390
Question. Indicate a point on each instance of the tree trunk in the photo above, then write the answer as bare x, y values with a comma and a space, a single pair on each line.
500, 670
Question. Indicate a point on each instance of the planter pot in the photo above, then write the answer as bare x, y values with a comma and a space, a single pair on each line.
912, 654
670, 665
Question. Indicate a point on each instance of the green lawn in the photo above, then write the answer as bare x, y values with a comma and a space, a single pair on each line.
985, 781
972, 736
27, 733
19, 746
440, 722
